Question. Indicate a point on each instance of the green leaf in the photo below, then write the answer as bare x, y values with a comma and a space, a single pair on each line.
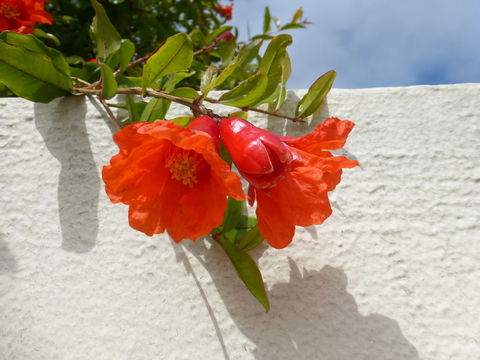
109, 83
275, 48
232, 214
126, 52
105, 36
185, 92
174, 55
248, 92
251, 239
32, 70
239, 114
39, 33
135, 109
247, 270
247, 222
315, 95
248, 52
297, 16
207, 78
220, 79
267, 20
182, 120
128, 81
156, 109
262, 37
292, 26
272, 62
5, 91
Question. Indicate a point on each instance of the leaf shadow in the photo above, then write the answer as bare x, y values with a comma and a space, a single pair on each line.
8, 264
62, 126
312, 315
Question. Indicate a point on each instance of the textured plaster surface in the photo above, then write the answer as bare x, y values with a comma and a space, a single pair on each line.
392, 274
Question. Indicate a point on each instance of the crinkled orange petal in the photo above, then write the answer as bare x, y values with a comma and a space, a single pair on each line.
138, 177
202, 144
332, 134
198, 211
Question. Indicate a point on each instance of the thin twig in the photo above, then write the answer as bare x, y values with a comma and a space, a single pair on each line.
110, 114
80, 81
196, 108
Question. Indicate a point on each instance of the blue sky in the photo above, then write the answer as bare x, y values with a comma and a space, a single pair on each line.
374, 43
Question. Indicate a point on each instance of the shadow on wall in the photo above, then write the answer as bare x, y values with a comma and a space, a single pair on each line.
62, 126
312, 317
283, 126
7, 261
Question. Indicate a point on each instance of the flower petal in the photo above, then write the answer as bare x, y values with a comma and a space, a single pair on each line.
332, 134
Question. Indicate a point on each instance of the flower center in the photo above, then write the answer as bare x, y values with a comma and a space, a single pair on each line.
184, 167
9, 11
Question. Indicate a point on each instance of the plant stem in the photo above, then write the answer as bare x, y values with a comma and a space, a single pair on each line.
110, 114
196, 108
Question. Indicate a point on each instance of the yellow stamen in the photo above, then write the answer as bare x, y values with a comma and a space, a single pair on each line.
183, 167
9, 11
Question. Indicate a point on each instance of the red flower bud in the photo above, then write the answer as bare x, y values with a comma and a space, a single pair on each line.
227, 36
260, 156
289, 177
209, 126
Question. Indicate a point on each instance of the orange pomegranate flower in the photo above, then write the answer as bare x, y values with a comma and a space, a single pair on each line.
171, 177
20, 15
289, 177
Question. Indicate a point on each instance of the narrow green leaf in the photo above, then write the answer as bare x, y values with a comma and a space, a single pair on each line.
105, 36
248, 52
39, 33
292, 26
262, 37
267, 20
251, 239
185, 92
239, 114
32, 70
275, 48
247, 270
272, 64
207, 78
108, 82
173, 79
128, 81
248, 92
297, 16
247, 222
315, 95
222, 77
174, 55
126, 52
135, 109
156, 109
182, 120
232, 214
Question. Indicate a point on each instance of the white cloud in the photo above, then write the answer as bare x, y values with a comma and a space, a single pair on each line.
378, 42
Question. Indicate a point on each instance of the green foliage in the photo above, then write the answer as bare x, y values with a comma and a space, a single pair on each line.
247, 270
104, 34
32, 70
146, 23
173, 56
315, 95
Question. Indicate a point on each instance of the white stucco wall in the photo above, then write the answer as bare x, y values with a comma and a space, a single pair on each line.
393, 274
